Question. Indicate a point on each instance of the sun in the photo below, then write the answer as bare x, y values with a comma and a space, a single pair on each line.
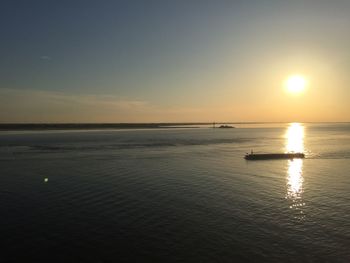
295, 84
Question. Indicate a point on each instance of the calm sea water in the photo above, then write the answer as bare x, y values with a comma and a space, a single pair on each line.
176, 195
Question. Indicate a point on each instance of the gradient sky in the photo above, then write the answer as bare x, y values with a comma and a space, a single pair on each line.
173, 61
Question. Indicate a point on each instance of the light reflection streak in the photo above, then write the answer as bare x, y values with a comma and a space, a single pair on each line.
295, 138
295, 143
295, 178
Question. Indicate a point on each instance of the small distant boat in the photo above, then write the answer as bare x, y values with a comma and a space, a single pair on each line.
272, 156
225, 126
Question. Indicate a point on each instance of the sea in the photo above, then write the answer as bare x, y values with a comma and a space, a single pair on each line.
180, 194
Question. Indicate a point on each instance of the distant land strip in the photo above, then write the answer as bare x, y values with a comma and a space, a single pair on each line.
93, 126
97, 126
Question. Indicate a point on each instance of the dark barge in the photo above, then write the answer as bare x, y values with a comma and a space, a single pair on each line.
273, 156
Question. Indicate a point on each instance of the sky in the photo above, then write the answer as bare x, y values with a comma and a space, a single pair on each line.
173, 61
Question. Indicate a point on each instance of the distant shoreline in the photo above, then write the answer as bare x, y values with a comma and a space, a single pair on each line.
94, 126
89, 126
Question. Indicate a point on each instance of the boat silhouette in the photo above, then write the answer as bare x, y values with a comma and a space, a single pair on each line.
273, 156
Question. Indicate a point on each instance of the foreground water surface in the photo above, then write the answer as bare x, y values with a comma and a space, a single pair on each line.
176, 195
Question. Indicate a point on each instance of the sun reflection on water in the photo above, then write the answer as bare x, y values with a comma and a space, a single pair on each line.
295, 143
295, 178
295, 138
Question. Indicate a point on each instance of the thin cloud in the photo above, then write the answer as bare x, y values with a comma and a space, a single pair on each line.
45, 58
20, 105
46, 106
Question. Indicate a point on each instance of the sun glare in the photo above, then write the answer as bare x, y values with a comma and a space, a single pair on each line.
295, 84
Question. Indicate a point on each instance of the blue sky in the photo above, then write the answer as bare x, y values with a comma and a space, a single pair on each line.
140, 61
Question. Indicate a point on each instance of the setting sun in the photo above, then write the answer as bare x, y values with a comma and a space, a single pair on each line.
295, 84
